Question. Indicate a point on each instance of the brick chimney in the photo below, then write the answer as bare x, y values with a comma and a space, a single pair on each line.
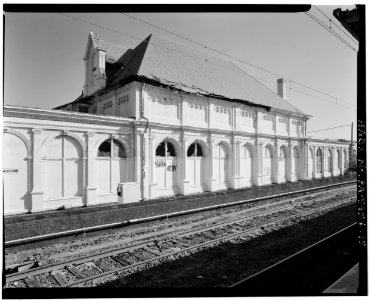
282, 88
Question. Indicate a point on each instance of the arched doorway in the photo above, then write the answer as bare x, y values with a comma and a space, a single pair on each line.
111, 166
246, 165
282, 164
15, 171
267, 165
295, 162
196, 164
345, 159
63, 168
310, 163
221, 164
318, 162
166, 165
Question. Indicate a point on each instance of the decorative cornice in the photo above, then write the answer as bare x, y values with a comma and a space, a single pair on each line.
63, 116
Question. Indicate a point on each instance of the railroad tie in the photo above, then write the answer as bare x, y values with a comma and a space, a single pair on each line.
152, 251
139, 256
75, 272
31, 282
101, 264
61, 279
120, 260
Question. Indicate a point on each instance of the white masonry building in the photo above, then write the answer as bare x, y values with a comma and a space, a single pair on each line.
158, 120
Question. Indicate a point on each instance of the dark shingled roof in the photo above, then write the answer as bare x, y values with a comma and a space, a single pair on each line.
190, 70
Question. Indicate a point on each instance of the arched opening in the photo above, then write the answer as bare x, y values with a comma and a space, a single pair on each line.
329, 160
319, 161
267, 165
282, 164
310, 163
15, 175
166, 165
246, 164
345, 159
63, 167
196, 164
295, 161
221, 164
338, 153
112, 166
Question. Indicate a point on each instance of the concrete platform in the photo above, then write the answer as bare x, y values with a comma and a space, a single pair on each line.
347, 284
48, 222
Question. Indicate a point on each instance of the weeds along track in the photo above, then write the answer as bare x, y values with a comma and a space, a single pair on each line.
119, 258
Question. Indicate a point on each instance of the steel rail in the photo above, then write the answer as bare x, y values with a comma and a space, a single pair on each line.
207, 243
159, 217
291, 256
47, 269
163, 236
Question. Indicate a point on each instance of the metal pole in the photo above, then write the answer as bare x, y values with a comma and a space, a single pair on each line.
351, 147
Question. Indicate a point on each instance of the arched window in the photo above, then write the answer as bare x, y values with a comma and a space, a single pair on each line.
282, 153
267, 164
111, 148
295, 154
221, 163
246, 166
310, 163
63, 167
319, 161
113, 166
194, 150
195, 164
339, 158
165, 149
329, 160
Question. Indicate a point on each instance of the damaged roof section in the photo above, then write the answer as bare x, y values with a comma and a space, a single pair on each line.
161, 61
196, 72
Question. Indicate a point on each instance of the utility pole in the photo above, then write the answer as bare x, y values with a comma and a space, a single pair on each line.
351, 147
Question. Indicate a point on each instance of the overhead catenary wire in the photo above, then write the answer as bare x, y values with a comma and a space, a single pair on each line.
318, 21
329, 128
140, 39
332, 22
228, 55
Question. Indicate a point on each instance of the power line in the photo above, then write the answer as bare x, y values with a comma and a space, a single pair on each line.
318, 21
136, 38
332, 22
202, 45
228, 55
307, 94
328, 128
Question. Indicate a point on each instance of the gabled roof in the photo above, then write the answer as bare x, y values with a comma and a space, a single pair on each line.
193, 71
113, 51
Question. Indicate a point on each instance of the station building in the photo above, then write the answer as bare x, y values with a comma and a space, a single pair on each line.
158, 120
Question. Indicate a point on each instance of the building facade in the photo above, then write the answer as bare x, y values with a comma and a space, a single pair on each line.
157, 135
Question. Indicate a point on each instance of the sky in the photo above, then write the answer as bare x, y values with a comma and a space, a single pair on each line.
44, 67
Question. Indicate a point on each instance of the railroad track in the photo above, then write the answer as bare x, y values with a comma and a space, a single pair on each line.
56, 254
111, 264
308, 271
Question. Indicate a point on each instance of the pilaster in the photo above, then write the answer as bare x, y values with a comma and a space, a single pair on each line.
212, 180
184, 175
259, 163
90, 189
37, 194
275, 162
